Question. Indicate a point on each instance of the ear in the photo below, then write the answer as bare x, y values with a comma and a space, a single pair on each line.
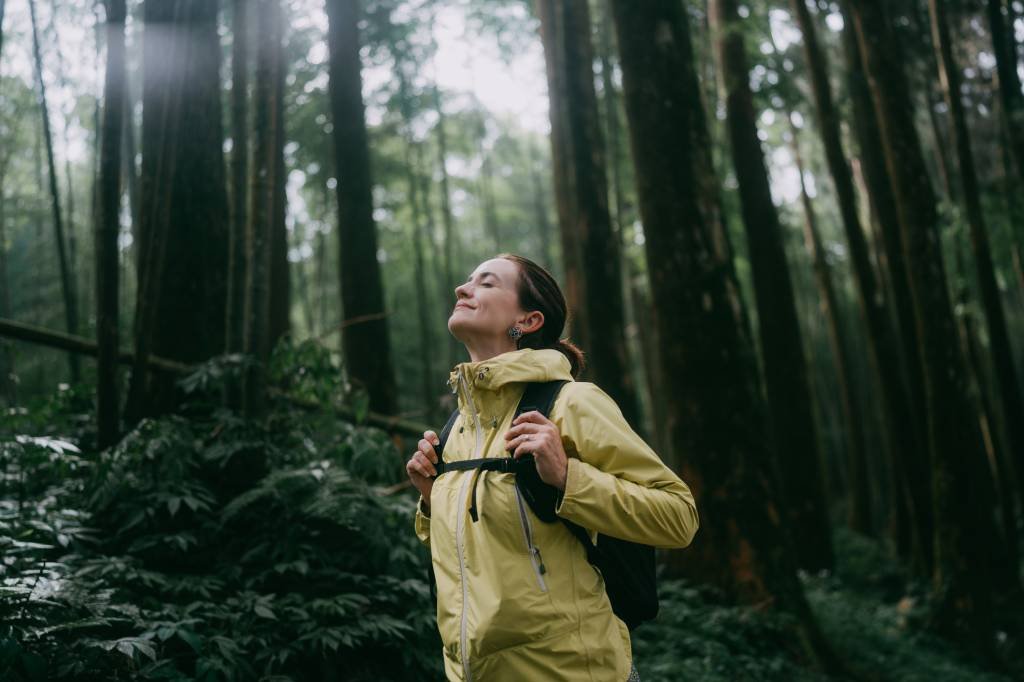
531, 322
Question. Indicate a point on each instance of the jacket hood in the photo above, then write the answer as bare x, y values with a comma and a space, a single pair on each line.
526, 364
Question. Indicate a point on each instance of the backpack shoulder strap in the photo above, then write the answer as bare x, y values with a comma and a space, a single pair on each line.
445, 432
539, 396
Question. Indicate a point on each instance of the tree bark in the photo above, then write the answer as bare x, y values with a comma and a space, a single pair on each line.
786, 377
279, 322
367, 348
582, 188
897, 412
108, 229
66, 280
1010, 93
716, 413
859, 502
426, 335
962, 605
8, 385
235, 319
914, 535
447, 219
263, 198
991, 299
180, 308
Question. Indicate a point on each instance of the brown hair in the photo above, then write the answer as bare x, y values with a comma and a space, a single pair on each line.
538, 290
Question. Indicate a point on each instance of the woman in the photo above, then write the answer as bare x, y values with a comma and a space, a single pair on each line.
504, 611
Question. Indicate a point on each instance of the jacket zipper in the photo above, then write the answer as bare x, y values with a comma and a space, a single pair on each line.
538, 563
459, 531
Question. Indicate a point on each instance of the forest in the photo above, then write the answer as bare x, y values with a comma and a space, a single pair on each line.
791, 238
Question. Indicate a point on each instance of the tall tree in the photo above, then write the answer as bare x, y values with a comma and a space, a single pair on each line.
1011, 95
240, 39
279, 312
911, 521
785, 368
7, 384
263, 197
426, 339
66, 280
962, 604
108, 229
184, 222
716, 413
581, 187
858, 504
447, 217
991, 299
897, 412
367, 348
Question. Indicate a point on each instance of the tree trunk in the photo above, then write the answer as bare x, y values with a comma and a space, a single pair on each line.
1004, 550
962, 605
448, 220
897, 412
66, 280
263, 198
859, 502
108, 229
582, 186
909, 451
69, 203
1002, 353
716, 413
8, 385
423, 306
1010, 93
786, 378
240, 31
991, 300
280, 272
182, 289
367, 348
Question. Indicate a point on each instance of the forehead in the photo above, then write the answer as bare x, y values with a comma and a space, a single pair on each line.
504, 269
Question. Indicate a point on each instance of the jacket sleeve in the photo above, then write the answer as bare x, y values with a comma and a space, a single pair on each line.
422, 523
616, 484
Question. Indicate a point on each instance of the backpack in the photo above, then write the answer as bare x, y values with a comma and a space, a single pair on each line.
628, 568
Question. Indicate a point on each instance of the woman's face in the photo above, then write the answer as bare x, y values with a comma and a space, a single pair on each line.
487, 304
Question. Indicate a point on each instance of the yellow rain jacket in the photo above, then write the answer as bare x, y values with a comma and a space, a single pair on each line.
517, 600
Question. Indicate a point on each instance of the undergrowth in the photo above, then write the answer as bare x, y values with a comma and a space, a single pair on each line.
205, 546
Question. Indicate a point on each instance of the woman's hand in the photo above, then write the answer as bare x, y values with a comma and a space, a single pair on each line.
420, 466
532, 432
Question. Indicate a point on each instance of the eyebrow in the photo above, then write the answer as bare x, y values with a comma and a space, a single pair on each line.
484, 274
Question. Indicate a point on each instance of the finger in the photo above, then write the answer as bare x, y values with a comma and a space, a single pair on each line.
528, 447
428, 466
532, 416
427, 449
432, 437
526, 427
535, 439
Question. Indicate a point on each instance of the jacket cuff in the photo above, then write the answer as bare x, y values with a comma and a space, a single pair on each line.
566, 500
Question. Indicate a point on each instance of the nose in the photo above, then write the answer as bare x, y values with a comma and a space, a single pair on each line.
461, 291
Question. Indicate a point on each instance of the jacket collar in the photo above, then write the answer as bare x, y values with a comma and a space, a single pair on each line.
523, 365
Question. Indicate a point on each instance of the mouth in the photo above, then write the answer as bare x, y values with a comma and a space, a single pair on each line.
462, 305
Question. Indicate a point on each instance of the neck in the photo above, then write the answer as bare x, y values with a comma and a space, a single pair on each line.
488, 348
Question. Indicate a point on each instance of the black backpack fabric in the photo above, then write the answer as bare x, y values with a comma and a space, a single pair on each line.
628, 567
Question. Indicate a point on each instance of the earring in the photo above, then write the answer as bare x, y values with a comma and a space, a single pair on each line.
515, 332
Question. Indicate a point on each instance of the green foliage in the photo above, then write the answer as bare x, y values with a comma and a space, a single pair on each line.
214, 548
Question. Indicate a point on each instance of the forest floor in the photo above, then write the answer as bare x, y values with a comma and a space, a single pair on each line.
867, 609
